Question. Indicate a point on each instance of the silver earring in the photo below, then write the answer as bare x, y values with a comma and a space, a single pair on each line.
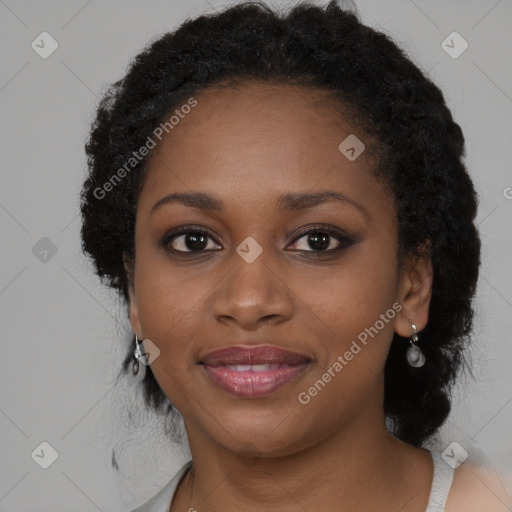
415, 356
138, 366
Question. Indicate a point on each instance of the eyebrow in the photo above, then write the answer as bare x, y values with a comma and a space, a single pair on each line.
287, 202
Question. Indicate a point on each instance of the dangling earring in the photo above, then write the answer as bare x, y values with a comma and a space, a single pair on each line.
138, 366
415, 356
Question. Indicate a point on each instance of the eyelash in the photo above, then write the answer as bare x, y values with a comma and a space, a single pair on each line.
344, 240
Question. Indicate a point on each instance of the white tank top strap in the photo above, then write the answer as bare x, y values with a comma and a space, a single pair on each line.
441, 484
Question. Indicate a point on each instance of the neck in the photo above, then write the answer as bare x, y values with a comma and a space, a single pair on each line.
356, 468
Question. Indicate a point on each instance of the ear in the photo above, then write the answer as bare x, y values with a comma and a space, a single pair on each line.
414, 292
134, 309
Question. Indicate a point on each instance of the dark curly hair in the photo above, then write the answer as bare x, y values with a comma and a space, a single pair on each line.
420, 151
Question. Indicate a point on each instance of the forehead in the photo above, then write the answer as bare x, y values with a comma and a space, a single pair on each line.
257, 137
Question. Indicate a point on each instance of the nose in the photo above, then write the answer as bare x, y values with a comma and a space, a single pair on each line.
252, 294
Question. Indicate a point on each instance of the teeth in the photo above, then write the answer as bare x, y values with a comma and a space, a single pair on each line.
264, 367
253, 367
240, 367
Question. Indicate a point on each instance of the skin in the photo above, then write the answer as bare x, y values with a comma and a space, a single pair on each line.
247, 146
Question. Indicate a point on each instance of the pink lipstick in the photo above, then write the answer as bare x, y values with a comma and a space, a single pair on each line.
252, 372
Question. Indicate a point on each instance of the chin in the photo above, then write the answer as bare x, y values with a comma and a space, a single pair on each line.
260, 432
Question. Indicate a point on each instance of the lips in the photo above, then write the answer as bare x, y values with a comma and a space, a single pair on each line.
261, 354
252, 372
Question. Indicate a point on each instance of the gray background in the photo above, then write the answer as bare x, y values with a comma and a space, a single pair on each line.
62, 332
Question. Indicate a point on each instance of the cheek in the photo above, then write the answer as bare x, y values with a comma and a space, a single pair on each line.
168, 312
170, 308
345, 299
353, 327
356, 304
351, 319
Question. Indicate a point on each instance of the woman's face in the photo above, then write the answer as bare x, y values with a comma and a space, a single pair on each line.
310, 275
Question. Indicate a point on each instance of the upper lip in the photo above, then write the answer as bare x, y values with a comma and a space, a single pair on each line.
259, 354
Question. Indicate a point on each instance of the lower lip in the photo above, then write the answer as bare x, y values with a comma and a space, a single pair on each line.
250, 384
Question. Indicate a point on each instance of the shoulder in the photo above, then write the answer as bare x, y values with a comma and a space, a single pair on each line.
161, 501
477, 489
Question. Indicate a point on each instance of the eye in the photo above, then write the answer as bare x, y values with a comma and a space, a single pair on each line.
318, 240
188, 239
322, 240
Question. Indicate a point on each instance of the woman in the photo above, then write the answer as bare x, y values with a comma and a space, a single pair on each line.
282, 203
